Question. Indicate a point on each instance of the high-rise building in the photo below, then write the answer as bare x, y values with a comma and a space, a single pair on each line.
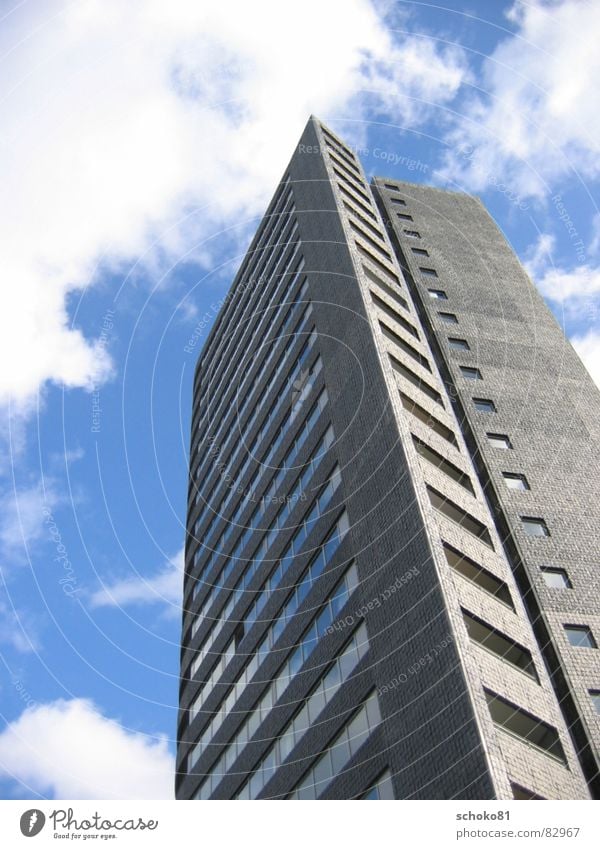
392, 570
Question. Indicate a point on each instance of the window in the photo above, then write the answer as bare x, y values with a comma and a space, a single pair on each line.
404, 346
499, 440
580, 636
443, 465
456, 514
386, 288
458, 344
385, 308
556, 579
523, 793
428, 272
398, 201
516, 481
535, 527
400, 368
471, 373
484, 405
499, 644
412, 234
381, 789
479, 576
420, 251
425, 417
525, 726
391, 187
404, 216
448, 317
438, 294
595, 697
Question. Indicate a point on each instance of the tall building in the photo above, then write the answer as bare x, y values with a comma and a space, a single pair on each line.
392, 569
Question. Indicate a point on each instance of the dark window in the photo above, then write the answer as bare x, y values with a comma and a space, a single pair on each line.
456, 514
595, 697
371, 242
448, 317
523, 793
499, 440
389, 290
556, 579
368, 255
420, 251
404, 346
438, 294
428, 272
525, 726
458, 344
399, 202
426, 418
534, 527
516, 481
443, 465
471, 373
484, 405
499, 644
392, 313
580, 636
412, 234
479, 576
400, 368
404, 216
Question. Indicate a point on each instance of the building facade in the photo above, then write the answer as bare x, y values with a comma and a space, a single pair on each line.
392, 567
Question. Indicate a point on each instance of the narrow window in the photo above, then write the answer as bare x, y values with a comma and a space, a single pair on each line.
477, 575
534, 527
516, 481
423, 416
556, 579
412, 234
404, 216
499, 644
420, 251
448, 317
456, 514
595, 697
471, 373
580, 636
499, 440
399, 202
428, 272
484, 405
525, 726
438, 294
458, 344
523, 793
449, 469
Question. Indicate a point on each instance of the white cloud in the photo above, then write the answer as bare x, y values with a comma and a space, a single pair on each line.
588, 348
573, 288
24, 519
164, 587
535, 120
67, 749
134, 129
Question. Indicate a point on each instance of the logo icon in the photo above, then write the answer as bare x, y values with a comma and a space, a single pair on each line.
32, 822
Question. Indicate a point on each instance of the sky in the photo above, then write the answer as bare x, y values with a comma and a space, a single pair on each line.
140, 145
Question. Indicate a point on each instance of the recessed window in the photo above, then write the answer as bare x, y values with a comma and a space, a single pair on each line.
484, 405
516, 481
438, 294
424, 416
580, 636
535, 527
420, 251
404, 216
412, 234
500, 440
398, 201
525, 726
391, 187
595, 697
456, 514
443, 465
471, 373
448, 317
523, 793
458, 344
556, 579
428, 272
499, 644
477, 575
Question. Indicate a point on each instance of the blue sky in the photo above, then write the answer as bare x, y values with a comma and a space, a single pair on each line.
141, 143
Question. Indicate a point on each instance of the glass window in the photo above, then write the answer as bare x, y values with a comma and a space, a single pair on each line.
535, 527
500, 440
557, 579
499, 644
420, 251
438, 294
458, 344
484, 405
580, 636
523, 793
525, 726
448, 317
412, 234
595, 697
479, 576
404, 216
471, 373
428, 272
516, 481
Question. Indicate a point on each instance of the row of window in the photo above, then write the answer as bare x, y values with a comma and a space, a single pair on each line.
282, 232
308, 713
293, 666
337, 600
579, 636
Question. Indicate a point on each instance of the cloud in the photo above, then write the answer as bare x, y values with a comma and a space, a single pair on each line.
134, 130
571, 288
164, 587
588, 348
24, 518
67, 749
534, 122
